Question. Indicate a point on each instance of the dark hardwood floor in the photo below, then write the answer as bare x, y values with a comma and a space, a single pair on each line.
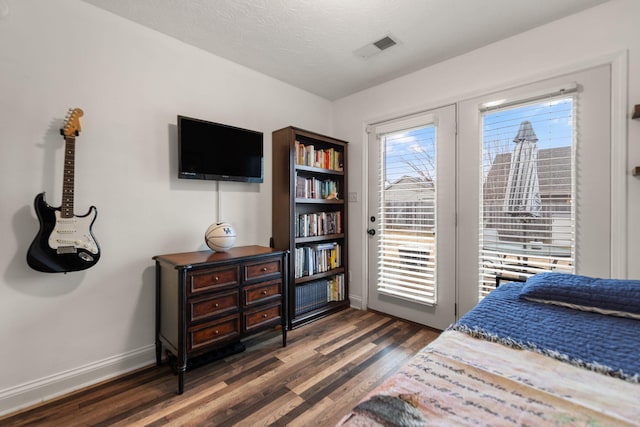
326, 368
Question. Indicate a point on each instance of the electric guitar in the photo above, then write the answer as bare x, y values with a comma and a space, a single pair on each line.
64, 242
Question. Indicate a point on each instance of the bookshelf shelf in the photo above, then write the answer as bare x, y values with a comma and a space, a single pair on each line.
307, 164
319, 238
314, 314
320, 201
305, 279
304, 168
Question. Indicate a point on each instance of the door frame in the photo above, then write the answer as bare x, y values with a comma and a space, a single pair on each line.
443, 312
620, 176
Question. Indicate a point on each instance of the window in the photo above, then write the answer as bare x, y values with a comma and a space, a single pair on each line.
407, 206
527, 204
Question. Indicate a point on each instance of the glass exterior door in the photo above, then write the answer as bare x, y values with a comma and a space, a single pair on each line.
411, 217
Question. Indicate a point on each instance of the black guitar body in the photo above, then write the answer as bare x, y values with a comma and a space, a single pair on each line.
62, 245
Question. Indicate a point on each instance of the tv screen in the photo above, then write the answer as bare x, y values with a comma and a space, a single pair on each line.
208, 150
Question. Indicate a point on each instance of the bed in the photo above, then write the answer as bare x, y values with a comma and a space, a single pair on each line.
559, 349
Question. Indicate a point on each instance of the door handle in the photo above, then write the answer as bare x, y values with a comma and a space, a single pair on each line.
371, 232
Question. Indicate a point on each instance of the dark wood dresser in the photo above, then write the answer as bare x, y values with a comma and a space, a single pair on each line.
206, 300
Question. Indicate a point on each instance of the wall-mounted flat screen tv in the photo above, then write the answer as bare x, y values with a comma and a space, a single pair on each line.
208, 150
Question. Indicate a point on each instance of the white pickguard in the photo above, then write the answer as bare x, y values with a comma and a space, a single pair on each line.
73, 233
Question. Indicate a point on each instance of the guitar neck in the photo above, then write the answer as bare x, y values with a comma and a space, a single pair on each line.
68, 178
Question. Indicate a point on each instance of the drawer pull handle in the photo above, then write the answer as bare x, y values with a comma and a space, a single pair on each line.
216, 278
264, 315
264, 268
217, 332
216, 305
264, 292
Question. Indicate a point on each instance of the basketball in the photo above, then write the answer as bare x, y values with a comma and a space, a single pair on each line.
220, 236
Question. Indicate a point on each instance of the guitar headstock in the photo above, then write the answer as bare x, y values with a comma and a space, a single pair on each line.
72, 123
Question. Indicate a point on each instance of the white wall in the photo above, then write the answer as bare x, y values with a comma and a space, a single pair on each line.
62, 330
584, 39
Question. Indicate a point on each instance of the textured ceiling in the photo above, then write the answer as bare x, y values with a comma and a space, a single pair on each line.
310, 43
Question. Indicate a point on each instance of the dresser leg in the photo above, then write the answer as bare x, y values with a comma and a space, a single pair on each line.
180, 382
158, 352
284, 336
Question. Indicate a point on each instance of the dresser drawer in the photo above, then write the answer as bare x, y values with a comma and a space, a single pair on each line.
264, 268
211, 279
262, 317
213, 332
212, 305
262, 292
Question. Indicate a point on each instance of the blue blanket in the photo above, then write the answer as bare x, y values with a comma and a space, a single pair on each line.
602, 343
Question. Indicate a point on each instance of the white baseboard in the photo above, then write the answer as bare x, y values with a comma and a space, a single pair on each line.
356, 302
34, 392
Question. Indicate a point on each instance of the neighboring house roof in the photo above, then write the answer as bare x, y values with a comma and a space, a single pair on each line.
409, 188
554, 173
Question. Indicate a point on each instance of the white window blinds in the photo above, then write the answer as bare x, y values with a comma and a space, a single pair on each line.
407, 212
527, 210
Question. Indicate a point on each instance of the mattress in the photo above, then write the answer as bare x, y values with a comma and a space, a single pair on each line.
515, 362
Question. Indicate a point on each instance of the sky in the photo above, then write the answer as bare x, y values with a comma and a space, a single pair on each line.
552, 123
412, 152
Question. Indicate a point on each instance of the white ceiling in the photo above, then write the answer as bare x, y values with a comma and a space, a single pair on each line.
310, 44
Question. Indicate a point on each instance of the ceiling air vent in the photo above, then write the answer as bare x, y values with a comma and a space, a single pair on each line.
367, 51
385, 43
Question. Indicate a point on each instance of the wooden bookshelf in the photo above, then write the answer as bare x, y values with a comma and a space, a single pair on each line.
309, 219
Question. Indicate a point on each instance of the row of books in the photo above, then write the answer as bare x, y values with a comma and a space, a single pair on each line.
317, 258
318, 224
318, 293
335, 288
307, 155
314, 188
